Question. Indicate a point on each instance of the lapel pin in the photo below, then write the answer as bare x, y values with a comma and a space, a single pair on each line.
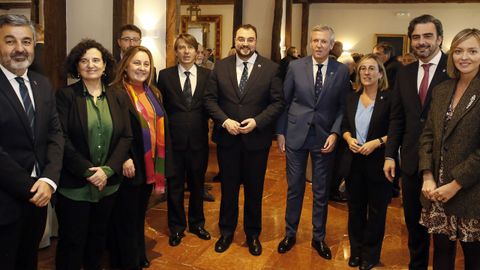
444, 70
35, 82
472, 99
381, 97
259, 65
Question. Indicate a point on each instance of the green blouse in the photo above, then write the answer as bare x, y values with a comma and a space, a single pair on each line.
100, 129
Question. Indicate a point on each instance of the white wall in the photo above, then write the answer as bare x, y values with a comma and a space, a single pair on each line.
150, 16
226, 11
89, 19
357, 24
260, 14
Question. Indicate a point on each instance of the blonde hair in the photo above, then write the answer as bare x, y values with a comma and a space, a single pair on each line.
463, 35
382, 82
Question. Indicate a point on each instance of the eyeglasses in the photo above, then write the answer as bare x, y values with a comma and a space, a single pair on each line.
129, 39
248, 40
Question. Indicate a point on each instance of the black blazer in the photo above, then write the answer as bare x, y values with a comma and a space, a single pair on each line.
262, 100
407, 104
188, 125
382, 118
72, 110
137, 152
19, 148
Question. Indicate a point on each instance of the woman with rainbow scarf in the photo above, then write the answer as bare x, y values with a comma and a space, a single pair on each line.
145, 168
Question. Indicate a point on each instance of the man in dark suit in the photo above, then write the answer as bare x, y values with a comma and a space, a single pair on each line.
244, 97
315, 89
412, 94
31, 146
182, 88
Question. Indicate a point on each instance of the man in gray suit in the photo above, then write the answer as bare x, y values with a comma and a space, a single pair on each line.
314, 88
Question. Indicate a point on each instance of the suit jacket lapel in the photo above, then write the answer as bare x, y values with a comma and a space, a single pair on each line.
351, 116
81, 104
310, 78
329, 77
466, 103
378, 110
7, 90
437, 78
232, 72
257, 70
201, 78
38, 105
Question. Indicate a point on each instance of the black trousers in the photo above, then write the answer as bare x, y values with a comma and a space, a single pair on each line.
418, 237
19, 240
239, 165
126, 239
369, 194
444, 253
82, 231
191, 163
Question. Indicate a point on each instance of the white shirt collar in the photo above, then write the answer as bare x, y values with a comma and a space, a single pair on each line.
435, 60
11, 76
324, 63
192, 70
251, 60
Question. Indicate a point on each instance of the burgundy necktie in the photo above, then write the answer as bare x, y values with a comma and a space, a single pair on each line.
424, 84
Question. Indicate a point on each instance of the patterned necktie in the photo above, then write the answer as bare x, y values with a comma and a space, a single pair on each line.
244, 78
27, 102
318, 81
424, 84
187, 89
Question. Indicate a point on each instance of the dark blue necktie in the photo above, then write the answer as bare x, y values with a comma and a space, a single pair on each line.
318, 81
27, 102
244, 78
187, 89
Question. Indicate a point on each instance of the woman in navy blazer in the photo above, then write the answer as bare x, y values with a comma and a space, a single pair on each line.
97, 140
365, 126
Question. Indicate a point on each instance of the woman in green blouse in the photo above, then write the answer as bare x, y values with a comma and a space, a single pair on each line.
97, 142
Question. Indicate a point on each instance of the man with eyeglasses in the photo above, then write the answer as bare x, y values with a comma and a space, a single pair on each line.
130, 35
244, 97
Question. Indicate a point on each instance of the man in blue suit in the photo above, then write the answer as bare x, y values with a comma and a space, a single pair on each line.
314, 88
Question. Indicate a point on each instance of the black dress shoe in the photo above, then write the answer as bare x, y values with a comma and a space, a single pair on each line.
175, 238
254, 245
365, 265
201, 233
322, 249
354, 261
207, 196
338, 197
223, 243
145, 263
286, 244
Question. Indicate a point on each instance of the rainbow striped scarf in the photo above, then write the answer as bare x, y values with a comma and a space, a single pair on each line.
152, 130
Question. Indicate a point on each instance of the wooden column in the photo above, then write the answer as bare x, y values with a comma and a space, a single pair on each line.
55, 41
304, 41
276, 29
288, 23
173, 23
123, 11
237, 17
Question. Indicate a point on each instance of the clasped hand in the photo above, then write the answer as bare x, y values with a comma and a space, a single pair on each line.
246, 126
365, 149
439, 194
99, 178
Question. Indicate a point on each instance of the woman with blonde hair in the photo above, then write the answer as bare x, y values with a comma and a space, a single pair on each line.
450, 157
367, 118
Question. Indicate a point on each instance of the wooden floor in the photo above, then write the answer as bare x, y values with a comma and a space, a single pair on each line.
194, 253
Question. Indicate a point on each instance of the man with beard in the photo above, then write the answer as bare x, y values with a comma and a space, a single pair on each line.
31, 146
244, 97
315, 89
182, 88
412, 93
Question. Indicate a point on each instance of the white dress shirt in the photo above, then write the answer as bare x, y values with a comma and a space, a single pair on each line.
192, 76
435, 60
239, 66
315, 69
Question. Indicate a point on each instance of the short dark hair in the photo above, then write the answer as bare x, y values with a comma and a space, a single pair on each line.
17, 20
386, 47
80, 49
129, 27
247, 26
426, 18
189, 39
